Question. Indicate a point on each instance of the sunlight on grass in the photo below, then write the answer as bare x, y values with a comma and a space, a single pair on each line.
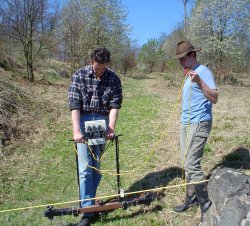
45, 171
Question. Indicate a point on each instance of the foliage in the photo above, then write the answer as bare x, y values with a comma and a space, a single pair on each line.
43, 29
150, 54
87, 24
220, 27
169, 48
30, 23
129, 60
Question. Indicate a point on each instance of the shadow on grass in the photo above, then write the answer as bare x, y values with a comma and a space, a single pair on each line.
150, 181
106, 219
239, 158
141, 211
156, 179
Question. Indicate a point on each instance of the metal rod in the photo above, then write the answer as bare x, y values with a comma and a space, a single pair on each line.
117, 164
77, 171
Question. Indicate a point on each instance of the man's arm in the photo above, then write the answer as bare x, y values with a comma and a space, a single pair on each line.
210, 94
77, 135
113, 115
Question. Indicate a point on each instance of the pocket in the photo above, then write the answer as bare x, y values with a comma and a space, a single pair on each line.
86, 96
204, 129
95, 102
106, 96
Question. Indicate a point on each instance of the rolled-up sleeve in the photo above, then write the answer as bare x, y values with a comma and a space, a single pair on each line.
74, 94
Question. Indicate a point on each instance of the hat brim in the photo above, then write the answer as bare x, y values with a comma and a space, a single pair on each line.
185, 53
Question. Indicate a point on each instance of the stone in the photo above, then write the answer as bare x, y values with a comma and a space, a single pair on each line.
225, 183
229, 191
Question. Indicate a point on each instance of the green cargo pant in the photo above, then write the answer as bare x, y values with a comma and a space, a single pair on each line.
193, 138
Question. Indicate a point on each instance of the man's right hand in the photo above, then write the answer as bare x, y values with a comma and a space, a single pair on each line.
78, 137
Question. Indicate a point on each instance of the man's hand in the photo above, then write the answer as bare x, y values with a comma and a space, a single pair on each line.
78, 137
110, 134
210, 94
194, 77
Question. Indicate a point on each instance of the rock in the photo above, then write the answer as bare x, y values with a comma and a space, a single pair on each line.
235, 210
226, 183
246, 221
229, 191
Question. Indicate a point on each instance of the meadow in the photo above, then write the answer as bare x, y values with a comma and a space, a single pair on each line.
40, 168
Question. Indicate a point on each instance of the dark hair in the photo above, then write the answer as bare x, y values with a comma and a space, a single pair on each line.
101, 55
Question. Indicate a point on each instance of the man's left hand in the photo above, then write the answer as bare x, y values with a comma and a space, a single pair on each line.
110, 134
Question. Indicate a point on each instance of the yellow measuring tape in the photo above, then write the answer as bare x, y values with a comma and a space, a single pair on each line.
162, 136
100, 198
123, 173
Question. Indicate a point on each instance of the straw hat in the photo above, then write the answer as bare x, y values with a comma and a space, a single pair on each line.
183, 48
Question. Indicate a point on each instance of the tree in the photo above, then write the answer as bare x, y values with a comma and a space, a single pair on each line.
169, 46
30, 23
149, 54
94, 23
129, 59
185, 16
72, 29
221, 28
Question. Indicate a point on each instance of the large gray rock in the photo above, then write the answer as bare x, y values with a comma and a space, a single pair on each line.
229, 191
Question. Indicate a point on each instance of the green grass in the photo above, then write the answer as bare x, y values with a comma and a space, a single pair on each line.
44, 172
49, 175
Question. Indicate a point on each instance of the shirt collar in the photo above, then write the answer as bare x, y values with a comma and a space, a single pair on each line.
194, 68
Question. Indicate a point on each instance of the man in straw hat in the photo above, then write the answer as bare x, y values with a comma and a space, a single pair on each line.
198, 95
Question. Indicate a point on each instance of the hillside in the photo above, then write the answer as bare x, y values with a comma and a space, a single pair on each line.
37, 162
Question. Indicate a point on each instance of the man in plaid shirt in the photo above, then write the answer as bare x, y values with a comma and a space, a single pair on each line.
95, 93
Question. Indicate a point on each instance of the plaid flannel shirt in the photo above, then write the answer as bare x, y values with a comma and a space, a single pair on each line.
92, 95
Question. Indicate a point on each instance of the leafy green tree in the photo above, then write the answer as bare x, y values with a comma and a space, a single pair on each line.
149, 54
94, 23
221, 28
169, 46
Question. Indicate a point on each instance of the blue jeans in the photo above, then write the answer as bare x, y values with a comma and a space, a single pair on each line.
89, 178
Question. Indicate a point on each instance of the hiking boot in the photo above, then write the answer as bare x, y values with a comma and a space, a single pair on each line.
204, 201
190, 199
85, 221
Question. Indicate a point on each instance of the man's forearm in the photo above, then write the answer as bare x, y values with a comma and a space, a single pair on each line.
76, 120
210, 94
113, 115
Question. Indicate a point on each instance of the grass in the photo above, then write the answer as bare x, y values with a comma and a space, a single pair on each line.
42, 169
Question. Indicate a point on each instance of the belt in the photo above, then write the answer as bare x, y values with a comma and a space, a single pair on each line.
95, 112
